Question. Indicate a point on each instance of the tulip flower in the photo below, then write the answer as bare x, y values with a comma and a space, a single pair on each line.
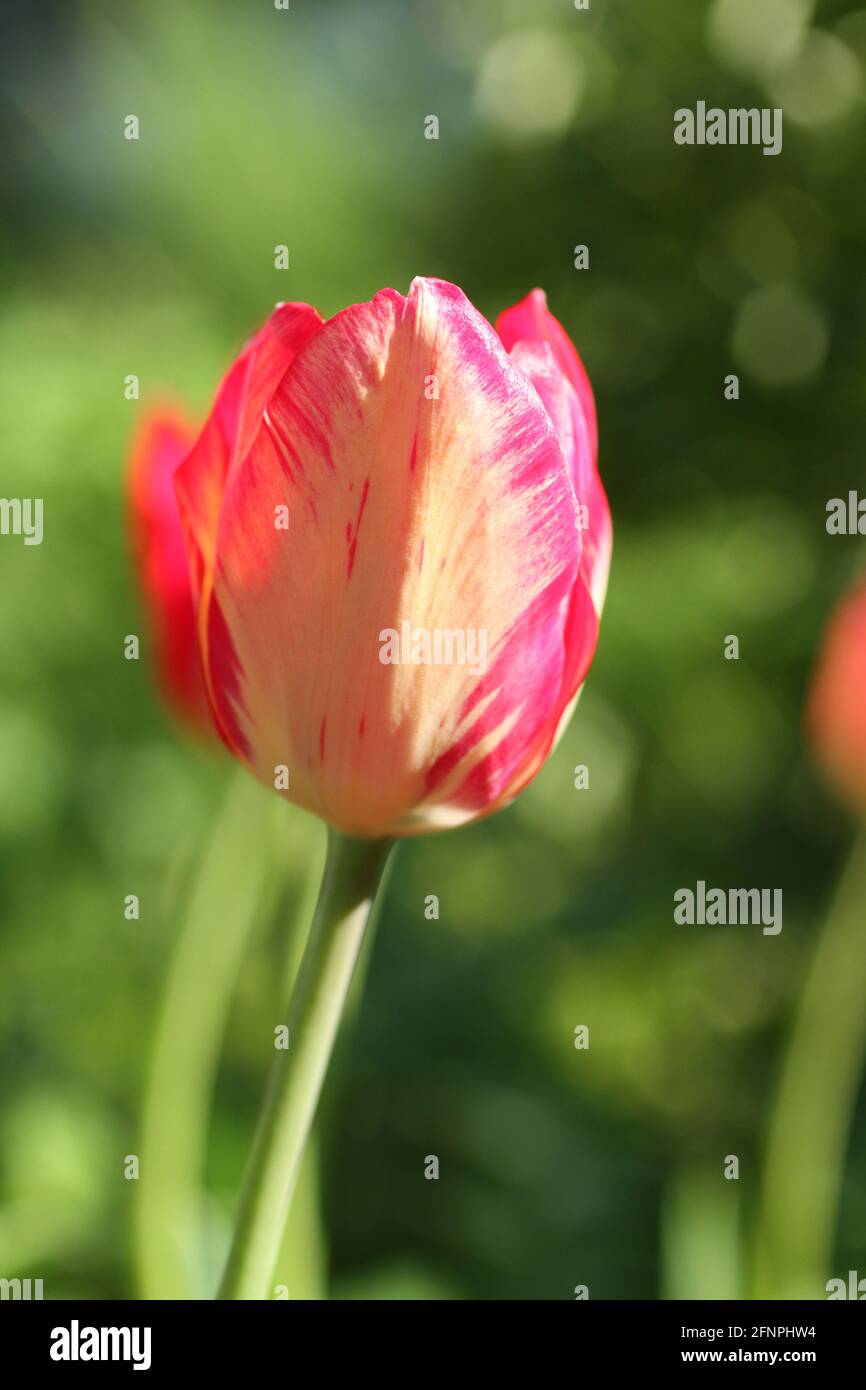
399, 546
402, 465
836, 713
163, 439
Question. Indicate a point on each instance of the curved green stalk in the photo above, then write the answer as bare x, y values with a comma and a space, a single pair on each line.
701, 1247
352, 874
811, 1117
235, 889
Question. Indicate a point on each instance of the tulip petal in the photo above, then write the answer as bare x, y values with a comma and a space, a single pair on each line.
542, 365
531, 321
232, 424
163, 439
535, 340
426, 486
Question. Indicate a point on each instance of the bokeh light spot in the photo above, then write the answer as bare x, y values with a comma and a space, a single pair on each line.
757, 36
780, 337
823, 83
530, 85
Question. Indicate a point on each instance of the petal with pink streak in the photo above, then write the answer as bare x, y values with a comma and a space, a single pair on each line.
426, 485
232, 424
540, 345
530, 321
201, 482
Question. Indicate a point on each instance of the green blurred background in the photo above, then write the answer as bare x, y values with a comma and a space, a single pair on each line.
558, 1167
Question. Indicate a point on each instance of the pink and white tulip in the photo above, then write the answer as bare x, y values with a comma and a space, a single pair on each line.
433, 472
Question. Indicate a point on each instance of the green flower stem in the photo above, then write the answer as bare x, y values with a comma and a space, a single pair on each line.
811, 1117
231, 893
234, 893
701, 1245
353, 870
